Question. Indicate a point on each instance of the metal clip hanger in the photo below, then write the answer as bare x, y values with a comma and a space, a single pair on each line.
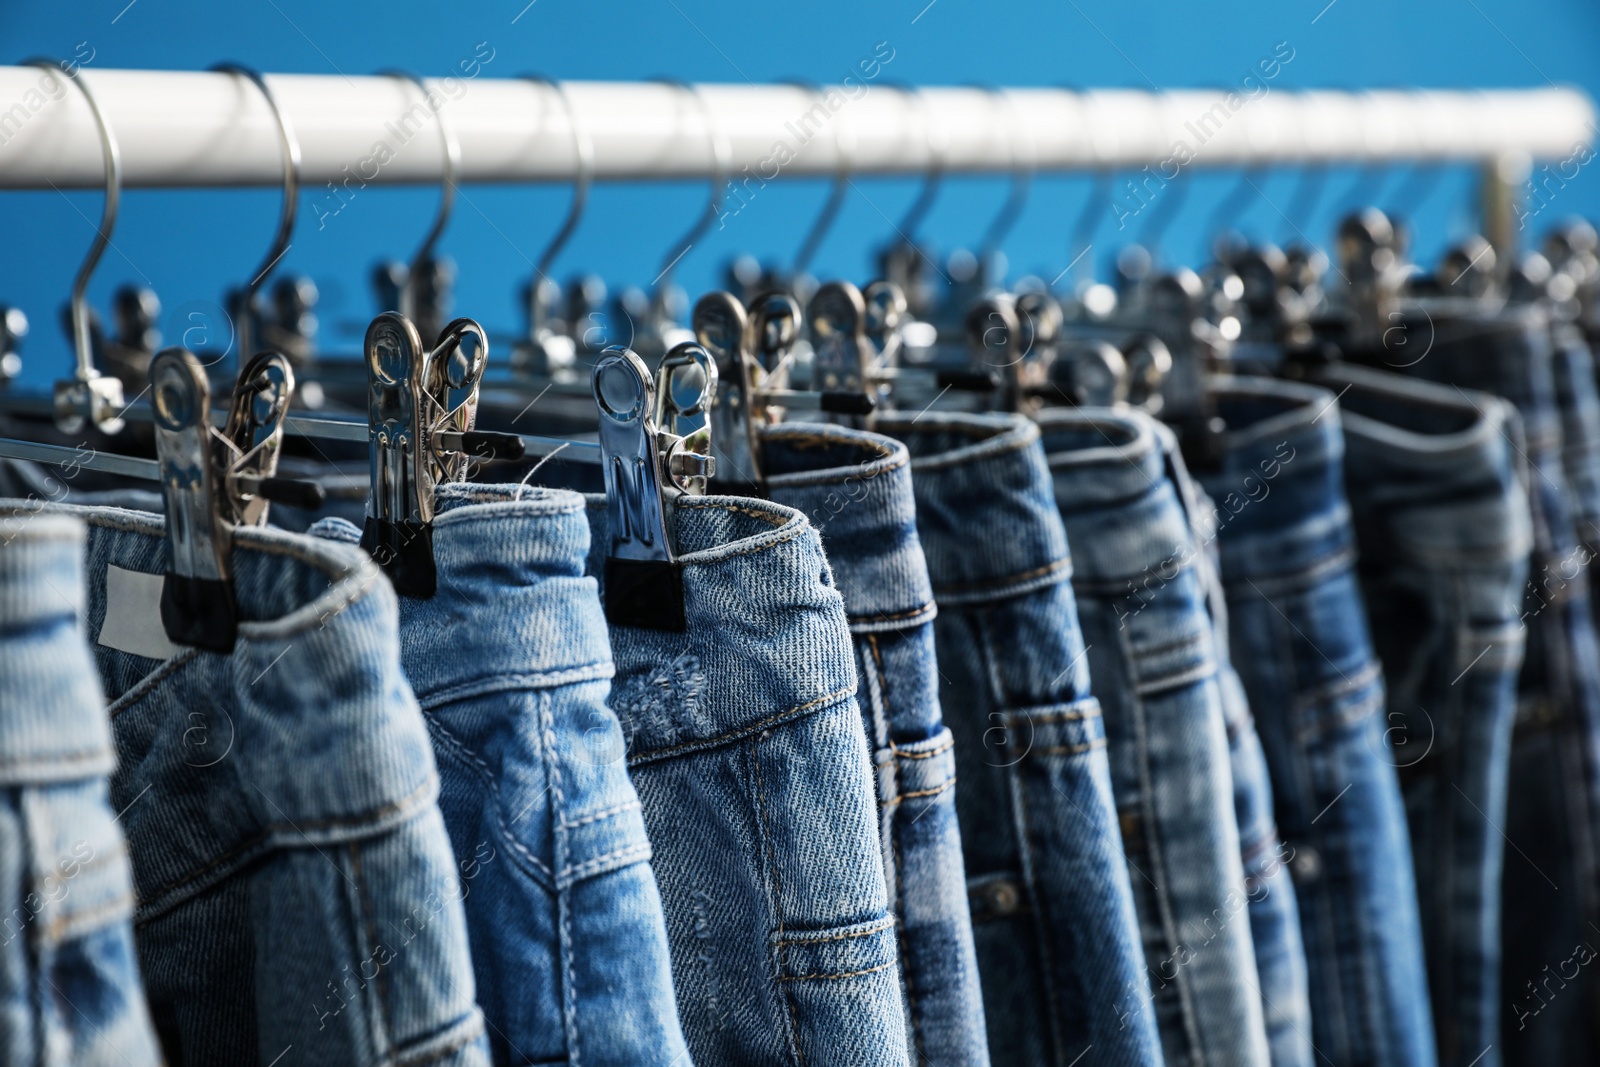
213, 481
647, 467
421, 406
549, 349
421, 289
722, 327
842, 355
89, 396
242, 302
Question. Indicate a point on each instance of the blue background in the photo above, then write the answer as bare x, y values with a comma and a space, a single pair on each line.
189, 245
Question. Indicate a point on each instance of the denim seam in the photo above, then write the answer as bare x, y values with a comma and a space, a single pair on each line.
558, 835
1302, 578
616, 858
500, 682
875, 928
459, 751
841, 974
379, 1024
915, 793
982, 584
902, 753
469, 1033
1150, 832
1025, 845
604, 813
764, 822
413, 803
65, 927
743, 731
140, 689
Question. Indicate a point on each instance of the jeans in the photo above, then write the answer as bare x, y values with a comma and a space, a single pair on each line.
1274, 914
1553, 807
1052, 910
568, 941
1302, 646
70, 992
295, 882
1153, 663
745, 743
856, 489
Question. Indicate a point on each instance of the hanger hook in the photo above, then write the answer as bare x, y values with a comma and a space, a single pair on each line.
844, 152
289, 143
447, 193
583, 149
933, 178
1022, 173
112, 155
722, 155
1237, 199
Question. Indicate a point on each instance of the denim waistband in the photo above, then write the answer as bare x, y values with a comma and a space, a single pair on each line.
1279, 489
508, 541
325, 752
1428, 442
1111, 482
858, 486
1506, 351
54, 727
765, 620
984, 504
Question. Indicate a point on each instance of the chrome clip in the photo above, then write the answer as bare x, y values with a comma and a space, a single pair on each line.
213, 481
842, 356
647, 467
722, 327
421, 404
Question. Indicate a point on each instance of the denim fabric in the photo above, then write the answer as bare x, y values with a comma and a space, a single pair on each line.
856, 489
1441, 519
1153, 664
568, 941
1554, 795
1274, 913
1579, 399
1057, 936
70, 993
296, 887
745, 744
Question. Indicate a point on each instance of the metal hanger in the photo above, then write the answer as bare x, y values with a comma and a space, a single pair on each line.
844, 153
903, 261
548, 349
90, 397
422, 403
420, 290
1022, 175
242, 302
213, 481
647, 467
653, 318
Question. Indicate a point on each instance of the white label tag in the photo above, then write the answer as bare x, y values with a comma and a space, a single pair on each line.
133, 615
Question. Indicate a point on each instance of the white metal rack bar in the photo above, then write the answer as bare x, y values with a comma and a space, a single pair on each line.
179, 128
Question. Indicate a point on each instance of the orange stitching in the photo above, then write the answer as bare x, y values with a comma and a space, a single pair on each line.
991, 582
880, 927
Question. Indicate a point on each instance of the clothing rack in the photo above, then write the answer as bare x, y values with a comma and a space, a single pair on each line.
185, 128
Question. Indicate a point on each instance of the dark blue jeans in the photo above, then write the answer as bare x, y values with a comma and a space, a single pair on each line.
1140, 586
856, 489
1052, 909
1552, 878
1300, 642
